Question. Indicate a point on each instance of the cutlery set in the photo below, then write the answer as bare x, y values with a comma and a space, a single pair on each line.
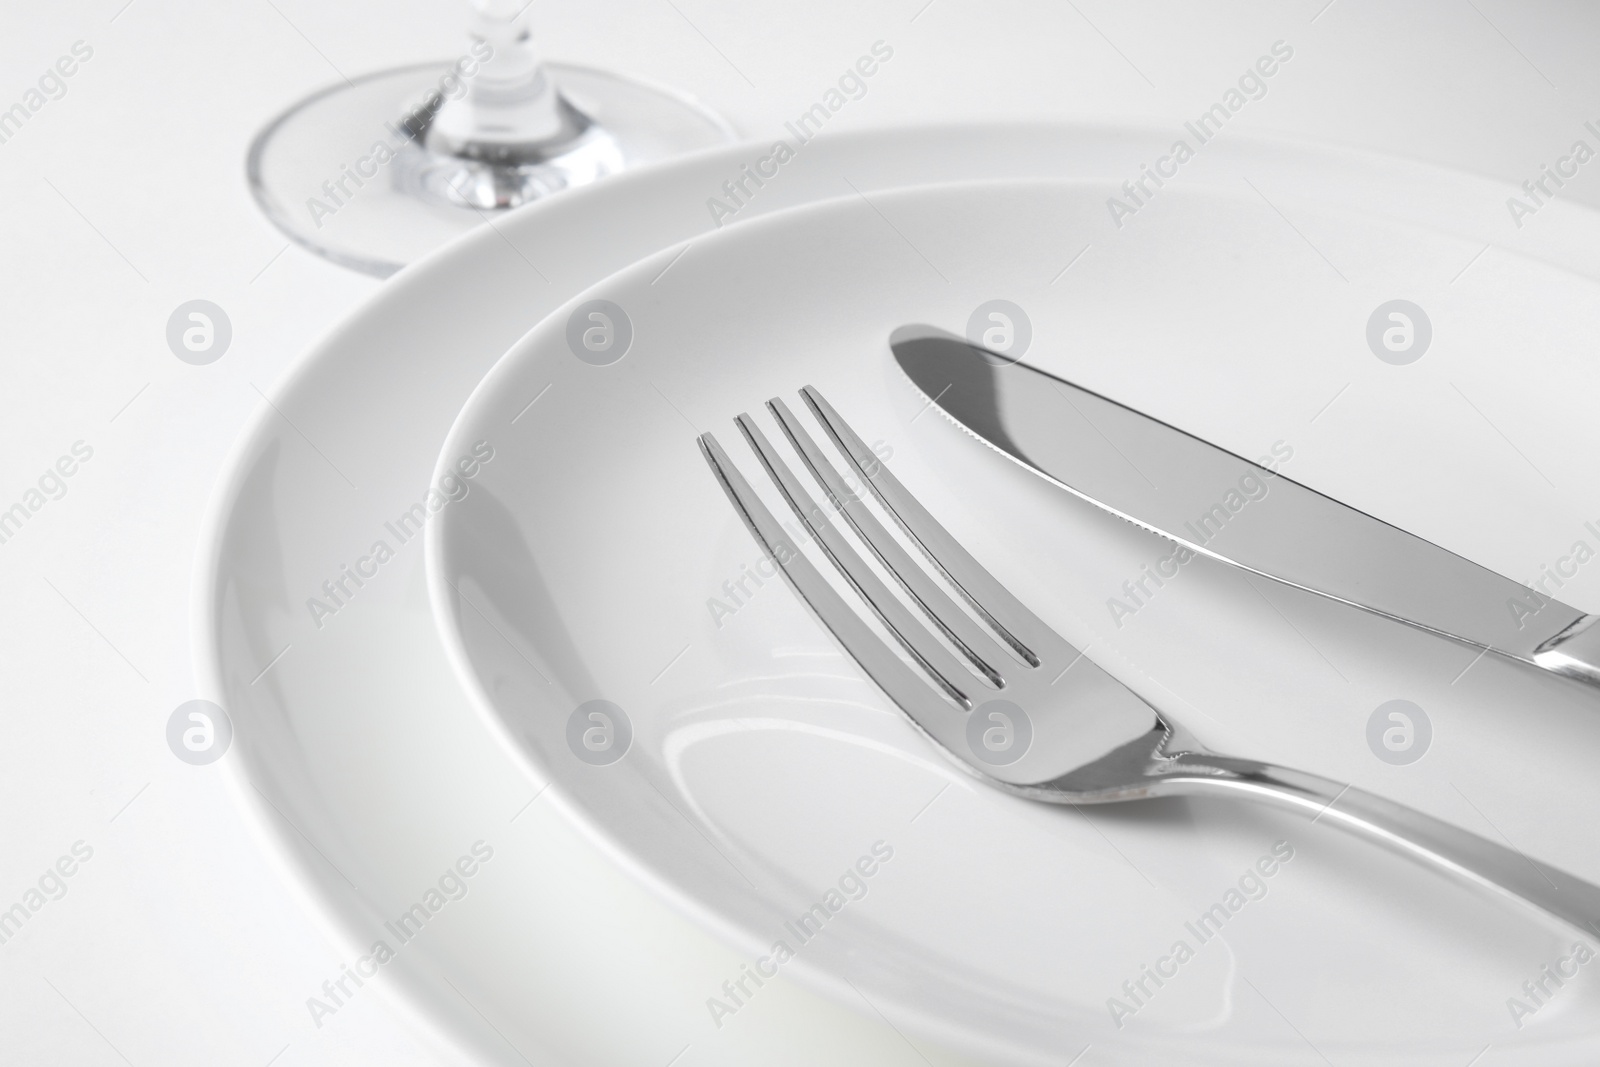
1018, 706
740, 767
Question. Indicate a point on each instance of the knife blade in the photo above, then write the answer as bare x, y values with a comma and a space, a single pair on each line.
1240, 512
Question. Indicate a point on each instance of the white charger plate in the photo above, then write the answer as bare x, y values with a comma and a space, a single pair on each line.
584, 561
362, 764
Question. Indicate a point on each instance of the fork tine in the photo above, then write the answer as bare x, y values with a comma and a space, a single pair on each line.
945, 669
1016, 625
952, 621
912, 693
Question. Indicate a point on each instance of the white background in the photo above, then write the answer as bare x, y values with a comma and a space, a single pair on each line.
126, 197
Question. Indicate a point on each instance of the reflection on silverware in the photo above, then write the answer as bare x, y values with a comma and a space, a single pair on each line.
1216, 503
1016, 704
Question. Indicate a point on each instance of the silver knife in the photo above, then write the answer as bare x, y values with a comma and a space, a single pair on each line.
1226, 507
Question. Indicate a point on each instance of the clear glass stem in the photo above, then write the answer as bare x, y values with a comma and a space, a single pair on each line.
512, 110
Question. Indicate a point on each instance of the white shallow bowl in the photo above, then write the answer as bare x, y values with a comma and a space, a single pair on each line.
592, 558
361, 761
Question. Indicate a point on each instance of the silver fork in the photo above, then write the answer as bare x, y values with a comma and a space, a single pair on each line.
1014, 703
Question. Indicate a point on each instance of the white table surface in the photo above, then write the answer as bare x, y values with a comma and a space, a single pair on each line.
124, 198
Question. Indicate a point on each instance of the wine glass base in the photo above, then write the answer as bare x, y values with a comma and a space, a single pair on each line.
338, 173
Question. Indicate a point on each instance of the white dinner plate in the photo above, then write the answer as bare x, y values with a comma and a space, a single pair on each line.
358, 757
608, 610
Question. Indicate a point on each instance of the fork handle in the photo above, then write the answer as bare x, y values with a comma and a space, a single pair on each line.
1497, 869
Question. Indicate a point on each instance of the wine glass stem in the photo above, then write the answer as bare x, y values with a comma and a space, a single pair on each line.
511, 104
